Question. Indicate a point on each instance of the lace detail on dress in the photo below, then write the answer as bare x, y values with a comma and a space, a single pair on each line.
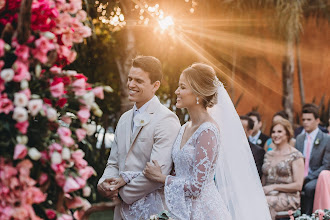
144, 207
195, 163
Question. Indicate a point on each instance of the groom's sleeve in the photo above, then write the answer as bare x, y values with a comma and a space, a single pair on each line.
111, 169
165, 134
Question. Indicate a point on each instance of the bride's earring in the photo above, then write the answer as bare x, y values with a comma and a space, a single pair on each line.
197, 101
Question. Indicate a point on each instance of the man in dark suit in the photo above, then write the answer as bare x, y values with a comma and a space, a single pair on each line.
257, 137
315, 146
258, 152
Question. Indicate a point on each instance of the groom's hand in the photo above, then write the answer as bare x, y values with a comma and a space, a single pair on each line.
106, 188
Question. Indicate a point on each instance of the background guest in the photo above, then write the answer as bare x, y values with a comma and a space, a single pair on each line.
283, 170
269, 145
315, 145
257, 137
301, 130
258, 152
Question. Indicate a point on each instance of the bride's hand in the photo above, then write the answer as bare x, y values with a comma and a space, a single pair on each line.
153, 172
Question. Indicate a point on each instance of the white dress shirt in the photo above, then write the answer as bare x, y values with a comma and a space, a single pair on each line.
254, 139
137, 111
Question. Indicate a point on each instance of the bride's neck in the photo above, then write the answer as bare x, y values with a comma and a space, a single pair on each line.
197, 114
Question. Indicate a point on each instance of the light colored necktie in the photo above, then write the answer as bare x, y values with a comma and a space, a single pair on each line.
308, 149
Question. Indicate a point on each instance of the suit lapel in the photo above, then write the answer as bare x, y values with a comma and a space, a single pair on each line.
300, 144
318, 139
128, 130
153, 106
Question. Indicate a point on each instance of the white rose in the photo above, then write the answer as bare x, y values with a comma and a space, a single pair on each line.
24, 84
22, 139
7, 74
49, 35
90, 129
66, 154
38, 70
96, 110
86, 191
35, 106
34, 154
51, 114
70, 72
107, 89
20, 114
20, 100
89, 98
56, 158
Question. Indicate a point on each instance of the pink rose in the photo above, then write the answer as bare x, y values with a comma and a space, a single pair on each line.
86, 172
81, 134
58, 168
98, 92
81, 15
67, 37
22, 52
35, 106
74, 203
78, 154
70, 185
55, 69
51, 214
83, 115
65, 136
65, 217
55, 147
22, 126
6, 105
21, 71
60, 179
44, 45
40, 55
79, 87
57, 90
43, 179
38, 196
81, 182
20, 151
27, 92
2, 48
66, 119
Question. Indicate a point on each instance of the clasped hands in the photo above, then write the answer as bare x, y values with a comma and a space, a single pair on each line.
109, 187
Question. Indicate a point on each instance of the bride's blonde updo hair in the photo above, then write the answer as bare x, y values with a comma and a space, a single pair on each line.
202, 79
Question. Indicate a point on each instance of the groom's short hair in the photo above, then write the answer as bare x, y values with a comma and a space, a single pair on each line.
151, 65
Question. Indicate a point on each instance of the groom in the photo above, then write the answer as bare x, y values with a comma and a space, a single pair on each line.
144, 133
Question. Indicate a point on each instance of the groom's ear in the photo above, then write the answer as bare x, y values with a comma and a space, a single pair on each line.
156, 86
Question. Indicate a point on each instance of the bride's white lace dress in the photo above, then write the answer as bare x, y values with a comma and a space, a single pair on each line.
191, 193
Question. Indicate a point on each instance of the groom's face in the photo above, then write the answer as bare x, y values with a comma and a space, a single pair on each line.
140, 88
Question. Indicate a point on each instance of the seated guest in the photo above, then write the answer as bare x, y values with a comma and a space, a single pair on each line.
257, 137
269, 145
258, 152
283, 170
301, 130
315, 145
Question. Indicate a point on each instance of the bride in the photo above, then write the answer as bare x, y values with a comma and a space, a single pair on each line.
211, 146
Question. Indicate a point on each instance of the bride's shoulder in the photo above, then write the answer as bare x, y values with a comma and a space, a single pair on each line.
209, 126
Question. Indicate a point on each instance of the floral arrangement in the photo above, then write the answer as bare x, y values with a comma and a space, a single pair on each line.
164, 215
45, 110
317, 215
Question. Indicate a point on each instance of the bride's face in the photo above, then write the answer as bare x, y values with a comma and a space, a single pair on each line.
185, 96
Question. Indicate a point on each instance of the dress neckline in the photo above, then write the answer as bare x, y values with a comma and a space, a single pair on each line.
183, 130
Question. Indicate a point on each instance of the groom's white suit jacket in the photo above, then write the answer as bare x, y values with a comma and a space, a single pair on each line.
131, 152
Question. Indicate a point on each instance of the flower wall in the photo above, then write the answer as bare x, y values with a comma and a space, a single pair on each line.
45, 111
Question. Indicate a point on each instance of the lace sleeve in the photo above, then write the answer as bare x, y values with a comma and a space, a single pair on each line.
129, 175
178, 190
